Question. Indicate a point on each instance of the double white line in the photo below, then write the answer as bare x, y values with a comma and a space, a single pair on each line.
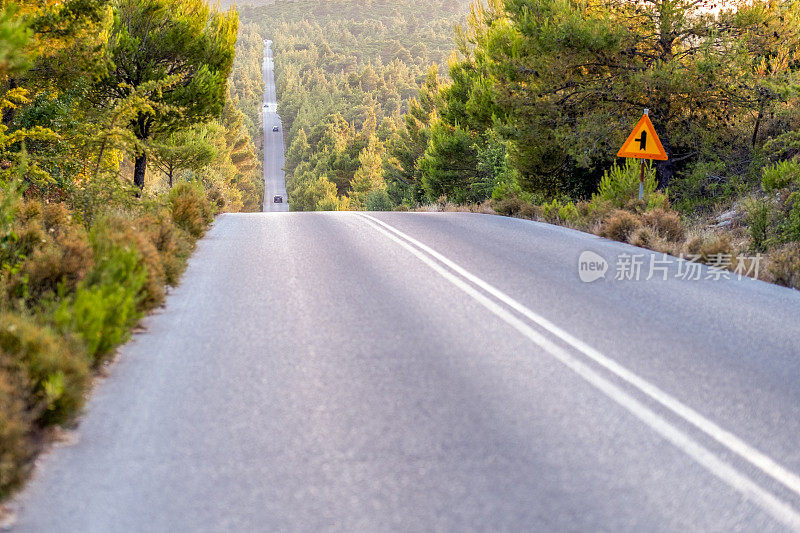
502, 305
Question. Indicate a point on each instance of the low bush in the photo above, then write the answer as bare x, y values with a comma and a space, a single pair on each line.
781, 175
712, 248
107, 303
530, 211
121, 230
42, 380
509, 206
560, 212
191, 210
759, 224
784, 266
620, 184
643, 237
620, 226
790, 227
172, 243
666, 224
63, 260
15, 432
51, 367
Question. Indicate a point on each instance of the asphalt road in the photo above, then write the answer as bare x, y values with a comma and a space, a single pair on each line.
436, 372
274, 152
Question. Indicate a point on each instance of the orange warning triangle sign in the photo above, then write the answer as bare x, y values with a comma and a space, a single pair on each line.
643, 143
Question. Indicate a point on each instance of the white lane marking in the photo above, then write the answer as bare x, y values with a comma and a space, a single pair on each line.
726, 438
777, 508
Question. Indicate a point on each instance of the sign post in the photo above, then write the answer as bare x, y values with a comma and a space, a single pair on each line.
643, 143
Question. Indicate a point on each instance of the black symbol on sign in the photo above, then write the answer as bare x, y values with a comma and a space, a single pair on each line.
642, 141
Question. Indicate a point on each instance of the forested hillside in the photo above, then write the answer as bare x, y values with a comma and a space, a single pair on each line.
118, 144
544, 92
527, 114
346, 72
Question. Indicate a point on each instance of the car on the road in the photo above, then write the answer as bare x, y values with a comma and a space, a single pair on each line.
275, 128
277, 199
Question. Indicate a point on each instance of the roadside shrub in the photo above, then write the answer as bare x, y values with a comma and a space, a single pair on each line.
790, 229
781, 175
530, 211
557, 212
28, 231
378, 200
172, 243
216, 197
643, 237
121, 231
15, 448
620, 184
106, 304
619, 226
64, 260
619, 188
56, 218
759, 223
190, 208
714, 247
508, 206
666, 224
52, 370
784, 266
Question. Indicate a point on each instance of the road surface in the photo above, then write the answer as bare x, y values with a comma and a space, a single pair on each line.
436, 372
274, 152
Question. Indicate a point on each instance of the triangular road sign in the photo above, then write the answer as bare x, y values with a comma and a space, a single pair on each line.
643, 143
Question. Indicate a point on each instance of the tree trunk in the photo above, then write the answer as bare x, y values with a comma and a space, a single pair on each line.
139, 170
756, 127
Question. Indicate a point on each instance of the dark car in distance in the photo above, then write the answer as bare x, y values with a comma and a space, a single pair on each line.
275, 128
278, 199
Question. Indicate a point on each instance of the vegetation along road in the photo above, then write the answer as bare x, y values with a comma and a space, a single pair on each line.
412, 372
340, 333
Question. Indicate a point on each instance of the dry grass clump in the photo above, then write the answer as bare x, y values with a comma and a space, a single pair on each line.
784, 266
644, 237
712, 247
510, 206
667, 224
620, 226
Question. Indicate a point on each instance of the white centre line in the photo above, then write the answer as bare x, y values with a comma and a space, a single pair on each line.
779, 509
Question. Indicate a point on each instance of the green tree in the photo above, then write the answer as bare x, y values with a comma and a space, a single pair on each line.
187, 149
369, 176
567, 79
450, 165
183, 41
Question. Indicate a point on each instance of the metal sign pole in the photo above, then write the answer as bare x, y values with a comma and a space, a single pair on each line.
641, 172
641, 182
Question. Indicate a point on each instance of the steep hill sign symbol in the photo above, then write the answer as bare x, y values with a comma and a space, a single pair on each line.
643, 143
